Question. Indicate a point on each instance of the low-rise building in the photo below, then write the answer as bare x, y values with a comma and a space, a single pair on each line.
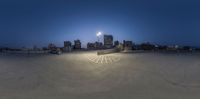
51, 46
90, 46
128, 45
147, 46
96, 45
172, 47
116, 43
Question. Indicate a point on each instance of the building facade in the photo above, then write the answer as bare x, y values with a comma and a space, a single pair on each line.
108, 41
90, 46
67, 46
77, 44
128, 45
96, 45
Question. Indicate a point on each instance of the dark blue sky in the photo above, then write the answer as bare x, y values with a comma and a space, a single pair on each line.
39, 22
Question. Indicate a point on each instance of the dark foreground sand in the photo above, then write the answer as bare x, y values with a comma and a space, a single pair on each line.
84, 75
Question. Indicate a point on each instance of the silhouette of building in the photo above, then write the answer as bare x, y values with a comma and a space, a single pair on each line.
36, 48
116, 43
90, 46
176, 48
147, 46
96, 45
108, 41
51, 46
128, 45
187, 48
77, 44
67, 46
44, 48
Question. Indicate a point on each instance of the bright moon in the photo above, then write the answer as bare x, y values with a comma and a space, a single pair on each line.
99, 33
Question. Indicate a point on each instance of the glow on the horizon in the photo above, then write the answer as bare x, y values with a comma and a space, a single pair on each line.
99, 34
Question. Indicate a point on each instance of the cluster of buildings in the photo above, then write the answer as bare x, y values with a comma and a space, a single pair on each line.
67, 46
109, 43
156, 47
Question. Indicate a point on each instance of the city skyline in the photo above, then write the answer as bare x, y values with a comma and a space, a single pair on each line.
29, 23
60, 43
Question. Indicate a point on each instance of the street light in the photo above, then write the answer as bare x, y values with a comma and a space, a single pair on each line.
98, 35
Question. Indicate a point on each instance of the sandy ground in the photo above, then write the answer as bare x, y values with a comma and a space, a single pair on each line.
83, 75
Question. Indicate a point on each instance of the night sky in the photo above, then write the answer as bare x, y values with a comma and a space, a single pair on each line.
39, 22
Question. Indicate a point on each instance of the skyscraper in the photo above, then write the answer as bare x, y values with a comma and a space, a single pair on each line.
77, 44
108, 41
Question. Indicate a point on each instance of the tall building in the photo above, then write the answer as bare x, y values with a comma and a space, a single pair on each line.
67, 46
108, 41
77, 44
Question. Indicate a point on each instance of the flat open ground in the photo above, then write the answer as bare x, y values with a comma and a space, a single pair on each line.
84, 75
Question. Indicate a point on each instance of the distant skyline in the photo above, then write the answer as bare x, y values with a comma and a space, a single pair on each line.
40, 22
